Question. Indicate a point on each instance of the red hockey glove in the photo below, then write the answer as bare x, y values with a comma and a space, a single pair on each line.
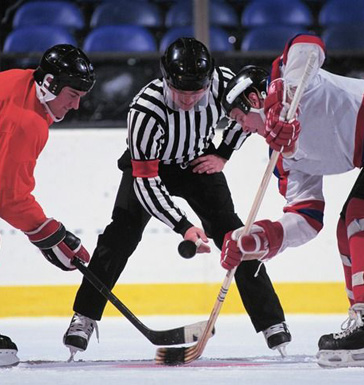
231, 256
280, 134
282, 137
265, 236
58, 245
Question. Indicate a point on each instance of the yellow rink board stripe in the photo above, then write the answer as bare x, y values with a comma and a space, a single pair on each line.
158, 299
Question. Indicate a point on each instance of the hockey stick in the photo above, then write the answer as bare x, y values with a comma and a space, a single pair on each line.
182, 335
184, 355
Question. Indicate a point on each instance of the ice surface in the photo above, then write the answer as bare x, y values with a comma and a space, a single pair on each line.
113, 360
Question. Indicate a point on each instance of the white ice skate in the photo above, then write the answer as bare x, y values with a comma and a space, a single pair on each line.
8, 352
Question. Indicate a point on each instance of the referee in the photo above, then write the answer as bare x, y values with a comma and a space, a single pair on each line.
171, 127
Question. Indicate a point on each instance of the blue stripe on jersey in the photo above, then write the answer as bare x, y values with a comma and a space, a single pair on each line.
317, 215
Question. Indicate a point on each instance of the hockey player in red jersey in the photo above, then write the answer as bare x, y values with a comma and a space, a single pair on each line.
326, 137
30, 101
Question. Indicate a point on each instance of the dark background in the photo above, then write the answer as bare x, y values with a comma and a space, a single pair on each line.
120, 76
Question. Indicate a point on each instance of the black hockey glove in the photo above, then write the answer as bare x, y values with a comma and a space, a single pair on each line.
58, 245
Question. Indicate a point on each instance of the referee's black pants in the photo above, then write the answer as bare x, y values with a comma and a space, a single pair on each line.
210, 198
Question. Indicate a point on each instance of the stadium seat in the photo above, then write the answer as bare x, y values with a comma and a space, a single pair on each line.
36, 38
341, 12
127, 12
60, 13
219, 39
269, 38
283, 12
120, 38
221, 14
120, 1
344, 37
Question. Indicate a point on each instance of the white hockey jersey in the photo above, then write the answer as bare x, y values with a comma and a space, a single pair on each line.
331, 115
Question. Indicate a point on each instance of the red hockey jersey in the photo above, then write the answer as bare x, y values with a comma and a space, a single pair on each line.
24, 126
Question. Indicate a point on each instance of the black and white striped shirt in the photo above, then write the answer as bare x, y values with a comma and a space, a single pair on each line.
175, 137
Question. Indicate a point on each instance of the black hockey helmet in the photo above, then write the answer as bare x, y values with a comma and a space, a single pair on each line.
187, 65
69, 66
249, 79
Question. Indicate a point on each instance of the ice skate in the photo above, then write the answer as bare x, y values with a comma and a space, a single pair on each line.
346, 348
79, 333
278, 337
8, 351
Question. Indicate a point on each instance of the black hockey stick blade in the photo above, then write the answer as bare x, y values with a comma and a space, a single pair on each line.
182, 335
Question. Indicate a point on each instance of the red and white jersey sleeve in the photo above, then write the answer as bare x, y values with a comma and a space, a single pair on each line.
23, 134
304, 210
296, 55
331, 140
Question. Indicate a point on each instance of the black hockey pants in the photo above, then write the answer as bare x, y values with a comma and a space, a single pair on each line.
210, 198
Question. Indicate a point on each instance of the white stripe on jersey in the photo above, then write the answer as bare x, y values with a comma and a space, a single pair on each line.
154, 194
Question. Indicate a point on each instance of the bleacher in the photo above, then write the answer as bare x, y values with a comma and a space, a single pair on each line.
125, 38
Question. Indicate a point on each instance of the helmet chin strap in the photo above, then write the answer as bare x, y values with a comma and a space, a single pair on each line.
259, 111
54, 118
45, 96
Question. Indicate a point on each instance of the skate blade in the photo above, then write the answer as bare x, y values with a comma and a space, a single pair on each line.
73, 352
340, 358
282, 350
8, 358
71, 359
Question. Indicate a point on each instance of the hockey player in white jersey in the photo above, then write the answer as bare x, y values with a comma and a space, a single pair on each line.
326, 137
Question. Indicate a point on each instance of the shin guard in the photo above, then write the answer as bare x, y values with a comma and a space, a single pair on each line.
343, 245
355, 232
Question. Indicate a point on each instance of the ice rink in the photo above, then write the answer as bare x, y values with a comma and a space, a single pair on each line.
235, 355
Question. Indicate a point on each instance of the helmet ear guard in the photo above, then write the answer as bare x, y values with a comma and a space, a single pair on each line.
248, 79
67, 66
43, 89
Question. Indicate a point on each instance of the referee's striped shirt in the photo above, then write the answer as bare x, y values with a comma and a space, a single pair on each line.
155, 131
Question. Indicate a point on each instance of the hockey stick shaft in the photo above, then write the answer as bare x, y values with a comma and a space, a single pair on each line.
181, 335
257, 201
275, 154
192, 353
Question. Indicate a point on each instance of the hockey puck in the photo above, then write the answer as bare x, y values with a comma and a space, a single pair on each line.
187, 249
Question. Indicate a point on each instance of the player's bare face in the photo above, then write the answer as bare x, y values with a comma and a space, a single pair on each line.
251, 122
68, 99
238, 115
185, 100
